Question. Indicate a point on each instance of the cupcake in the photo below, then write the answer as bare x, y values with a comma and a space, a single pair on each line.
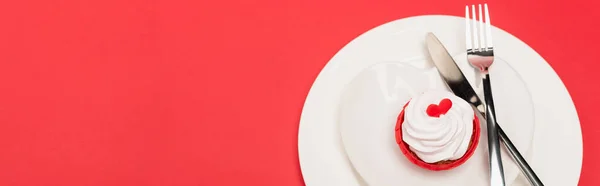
437, 130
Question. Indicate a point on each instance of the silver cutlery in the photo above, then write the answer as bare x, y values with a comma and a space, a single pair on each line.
480, 54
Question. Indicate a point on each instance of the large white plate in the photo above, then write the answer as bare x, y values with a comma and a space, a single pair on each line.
556, 153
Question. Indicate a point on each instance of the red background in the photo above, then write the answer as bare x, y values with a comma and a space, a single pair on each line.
178, 93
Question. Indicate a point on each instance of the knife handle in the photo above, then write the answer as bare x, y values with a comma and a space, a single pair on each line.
496, 168
518, 158
516, 155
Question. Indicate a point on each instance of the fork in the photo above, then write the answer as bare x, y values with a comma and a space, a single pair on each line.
480, 54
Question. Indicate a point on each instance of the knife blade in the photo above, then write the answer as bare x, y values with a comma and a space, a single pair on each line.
459, 85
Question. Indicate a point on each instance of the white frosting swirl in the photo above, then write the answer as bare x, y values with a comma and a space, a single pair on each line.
435, 139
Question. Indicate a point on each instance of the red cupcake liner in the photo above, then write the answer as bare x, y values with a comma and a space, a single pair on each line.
438, 166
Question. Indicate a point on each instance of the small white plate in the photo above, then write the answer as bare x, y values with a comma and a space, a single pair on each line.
322, 156
372, 101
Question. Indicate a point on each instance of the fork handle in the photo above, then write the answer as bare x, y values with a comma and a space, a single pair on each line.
496, 167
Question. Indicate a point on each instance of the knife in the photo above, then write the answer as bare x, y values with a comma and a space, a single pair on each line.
512, 149
457, 82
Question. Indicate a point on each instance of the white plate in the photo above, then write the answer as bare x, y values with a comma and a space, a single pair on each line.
371, 102
322, 157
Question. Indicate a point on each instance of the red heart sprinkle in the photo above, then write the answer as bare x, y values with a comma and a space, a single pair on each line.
434, 110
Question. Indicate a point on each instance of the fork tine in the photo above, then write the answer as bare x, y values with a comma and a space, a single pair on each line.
488, 28
474, 32
481, 38
468, 29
